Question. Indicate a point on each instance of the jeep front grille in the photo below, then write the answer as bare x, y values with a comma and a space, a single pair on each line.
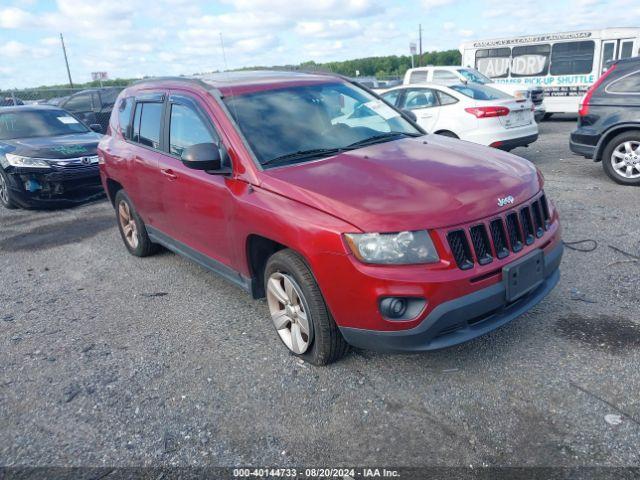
499, 237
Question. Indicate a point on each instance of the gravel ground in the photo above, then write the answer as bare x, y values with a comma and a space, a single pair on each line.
113, 360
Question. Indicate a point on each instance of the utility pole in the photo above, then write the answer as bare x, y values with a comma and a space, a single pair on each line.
420, 44
66, 61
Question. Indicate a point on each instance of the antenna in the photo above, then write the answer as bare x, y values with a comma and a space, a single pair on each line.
224, 55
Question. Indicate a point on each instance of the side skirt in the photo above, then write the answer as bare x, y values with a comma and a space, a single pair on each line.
209, 263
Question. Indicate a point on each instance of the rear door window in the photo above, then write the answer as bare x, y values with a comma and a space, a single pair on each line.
416, 98
146, 125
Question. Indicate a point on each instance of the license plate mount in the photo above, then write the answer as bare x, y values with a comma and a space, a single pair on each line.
523, 275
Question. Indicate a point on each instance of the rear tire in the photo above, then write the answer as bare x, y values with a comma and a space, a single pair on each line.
294, 298
622, 156
132, 229
6, 196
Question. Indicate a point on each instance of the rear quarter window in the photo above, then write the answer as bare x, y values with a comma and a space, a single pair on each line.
629, 83
124, 116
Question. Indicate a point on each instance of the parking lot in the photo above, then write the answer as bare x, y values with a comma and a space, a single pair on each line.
113, 360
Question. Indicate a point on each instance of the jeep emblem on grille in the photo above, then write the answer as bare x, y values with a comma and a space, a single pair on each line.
505, 201
86, 160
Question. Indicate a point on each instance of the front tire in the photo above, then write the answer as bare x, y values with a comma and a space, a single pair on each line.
621, 158
6, 196
298, 310
132, 228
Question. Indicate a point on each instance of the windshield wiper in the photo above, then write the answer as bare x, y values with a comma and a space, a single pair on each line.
302, 154
381, 137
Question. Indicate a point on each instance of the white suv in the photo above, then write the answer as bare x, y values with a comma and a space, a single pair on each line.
458, 74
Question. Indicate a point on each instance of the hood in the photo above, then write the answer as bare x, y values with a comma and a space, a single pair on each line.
409, 184
58, 147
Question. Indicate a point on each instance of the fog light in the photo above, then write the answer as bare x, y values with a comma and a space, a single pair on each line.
395, 307
401, 308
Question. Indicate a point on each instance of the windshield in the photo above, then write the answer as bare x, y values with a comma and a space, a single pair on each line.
480, 92
474, 76
314, 119
38, 123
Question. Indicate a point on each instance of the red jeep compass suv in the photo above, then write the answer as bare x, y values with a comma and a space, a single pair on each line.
358, 227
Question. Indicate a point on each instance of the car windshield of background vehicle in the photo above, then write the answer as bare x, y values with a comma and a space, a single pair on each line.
480, 92
474, 76
44, 123
315, 119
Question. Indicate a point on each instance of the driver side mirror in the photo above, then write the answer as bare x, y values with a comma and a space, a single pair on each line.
410, 114
202, 156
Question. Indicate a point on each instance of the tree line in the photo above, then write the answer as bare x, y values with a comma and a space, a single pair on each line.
390, 66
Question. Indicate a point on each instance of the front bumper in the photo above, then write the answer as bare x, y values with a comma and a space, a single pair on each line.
55, 187
461, 319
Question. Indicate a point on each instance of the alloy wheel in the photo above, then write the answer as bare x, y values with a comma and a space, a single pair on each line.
625, 159
289, 312
128, 225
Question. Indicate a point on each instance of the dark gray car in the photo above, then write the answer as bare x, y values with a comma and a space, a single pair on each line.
609, 122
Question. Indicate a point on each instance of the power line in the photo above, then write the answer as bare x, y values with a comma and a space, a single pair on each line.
66, 61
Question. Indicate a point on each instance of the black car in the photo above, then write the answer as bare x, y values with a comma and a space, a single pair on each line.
609, 122
92, 106
47, 158
10, 102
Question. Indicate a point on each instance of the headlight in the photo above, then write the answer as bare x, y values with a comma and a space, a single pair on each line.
26, 162
393, 248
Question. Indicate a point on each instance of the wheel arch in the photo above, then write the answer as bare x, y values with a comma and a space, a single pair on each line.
113, 188
609, 134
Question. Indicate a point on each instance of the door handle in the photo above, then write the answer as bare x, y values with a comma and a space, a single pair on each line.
167, 172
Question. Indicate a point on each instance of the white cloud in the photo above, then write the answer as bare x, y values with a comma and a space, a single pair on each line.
13, 17
311, 8
329, 29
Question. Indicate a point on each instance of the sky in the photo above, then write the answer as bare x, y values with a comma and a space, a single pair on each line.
135, 38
